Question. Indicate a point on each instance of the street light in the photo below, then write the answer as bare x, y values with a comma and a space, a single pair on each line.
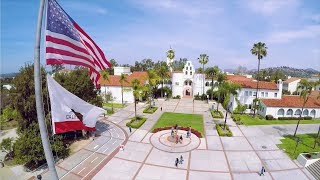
207, 98
225, 119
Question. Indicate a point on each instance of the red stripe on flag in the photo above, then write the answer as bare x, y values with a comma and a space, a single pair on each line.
97, 47
66, 43
66, 126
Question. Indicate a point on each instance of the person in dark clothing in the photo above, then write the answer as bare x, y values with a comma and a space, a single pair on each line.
263, 170
181, 159
130, 129
177, 162
181, 139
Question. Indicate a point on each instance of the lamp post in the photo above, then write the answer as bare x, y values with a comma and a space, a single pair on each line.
225, 118
207, 98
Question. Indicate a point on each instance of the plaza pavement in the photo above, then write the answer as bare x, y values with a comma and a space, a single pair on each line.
238, 157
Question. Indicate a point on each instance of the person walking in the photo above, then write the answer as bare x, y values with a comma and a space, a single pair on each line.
263, 170
181, 159
181, 139
177, 162
161, 108
130, 129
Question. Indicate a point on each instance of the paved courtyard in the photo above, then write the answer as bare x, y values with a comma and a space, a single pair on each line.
149, 156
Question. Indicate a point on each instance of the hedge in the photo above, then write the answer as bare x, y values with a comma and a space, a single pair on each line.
136, 123
236, 119
269, 117
215, 115
150, 110
295, 118
221, 132
195, 132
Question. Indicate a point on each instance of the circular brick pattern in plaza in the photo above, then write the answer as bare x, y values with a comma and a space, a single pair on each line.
163, 141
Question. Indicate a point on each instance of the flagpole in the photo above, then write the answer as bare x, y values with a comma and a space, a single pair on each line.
38, 93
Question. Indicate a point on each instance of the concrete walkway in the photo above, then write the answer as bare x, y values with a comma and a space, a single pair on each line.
237, 157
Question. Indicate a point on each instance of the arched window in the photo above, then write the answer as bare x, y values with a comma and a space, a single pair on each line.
207, 83
190, 82
297, 112
289, 112
313, 113
185, 82
305, 112
280, 112
211, 83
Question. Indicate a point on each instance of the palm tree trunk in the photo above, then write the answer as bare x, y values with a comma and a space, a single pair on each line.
295, 131
105, 93
162, 88
218, 102
135, 108
122, 95
203, 79
258, 78
212, 89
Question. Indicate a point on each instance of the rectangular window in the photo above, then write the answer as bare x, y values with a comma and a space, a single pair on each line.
246, 93
266, 94
262, 94
190, 72
177, 83
254, 93
186, 68
249, 107
186, 72
275, 94
190, 68
250, 93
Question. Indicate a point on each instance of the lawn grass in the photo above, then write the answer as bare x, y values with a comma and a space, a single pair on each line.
251, 121
305, 146
115, 105
169, 119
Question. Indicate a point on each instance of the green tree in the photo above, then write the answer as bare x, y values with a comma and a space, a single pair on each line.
260, 50
162, 70
28, 147
179, 65
123, 79
79, 83
105, 76
170, 55
136, 94
6, 145
151, 85
203, 59
212, 72
57, 68
23, 95
241, 108
221, 77
305, 87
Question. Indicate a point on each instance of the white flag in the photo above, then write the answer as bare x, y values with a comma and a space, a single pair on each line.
67, 109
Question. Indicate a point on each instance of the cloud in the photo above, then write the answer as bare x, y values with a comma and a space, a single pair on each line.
310, 31
269, 7
85, 7
191, 9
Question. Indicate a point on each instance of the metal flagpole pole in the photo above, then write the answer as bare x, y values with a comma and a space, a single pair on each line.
38, 93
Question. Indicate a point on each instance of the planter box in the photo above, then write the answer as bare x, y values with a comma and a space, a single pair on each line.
304, 159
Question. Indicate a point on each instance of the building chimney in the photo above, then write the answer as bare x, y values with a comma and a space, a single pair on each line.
279, 86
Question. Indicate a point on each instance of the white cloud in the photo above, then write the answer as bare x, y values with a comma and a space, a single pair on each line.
191, 9
269, 7
85, 7
310, 31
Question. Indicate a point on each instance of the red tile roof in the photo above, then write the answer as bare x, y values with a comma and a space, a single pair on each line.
292, 101
251, 83
291, 80
114, 80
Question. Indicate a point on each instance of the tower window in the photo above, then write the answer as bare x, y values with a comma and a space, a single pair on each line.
190, 72
186, 72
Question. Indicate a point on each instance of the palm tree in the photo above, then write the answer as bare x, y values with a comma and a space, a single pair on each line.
163, 72
123, 78
136, 94
203, 59
259, 49
221, 77
105, 76
152, 80
212, 73
170, 55
225, 90
305, 87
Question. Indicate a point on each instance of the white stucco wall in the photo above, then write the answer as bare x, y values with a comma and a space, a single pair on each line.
293, 86
274, 111
177, 84
116, 93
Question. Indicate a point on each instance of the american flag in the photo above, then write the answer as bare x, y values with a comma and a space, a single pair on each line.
67, 43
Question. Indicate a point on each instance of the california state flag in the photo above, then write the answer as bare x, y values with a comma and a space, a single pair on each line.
69, 112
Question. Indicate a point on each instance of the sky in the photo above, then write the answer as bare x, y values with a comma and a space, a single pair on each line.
132, 30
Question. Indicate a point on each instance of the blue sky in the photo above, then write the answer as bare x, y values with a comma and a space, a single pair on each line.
131, 30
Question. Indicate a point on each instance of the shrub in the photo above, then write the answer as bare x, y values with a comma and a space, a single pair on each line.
216, 114
236, 119
195, 132
222, 132
176, 97
136, 122
150, 110
295, 118
269, 117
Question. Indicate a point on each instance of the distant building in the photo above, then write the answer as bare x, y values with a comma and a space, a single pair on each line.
291, 84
